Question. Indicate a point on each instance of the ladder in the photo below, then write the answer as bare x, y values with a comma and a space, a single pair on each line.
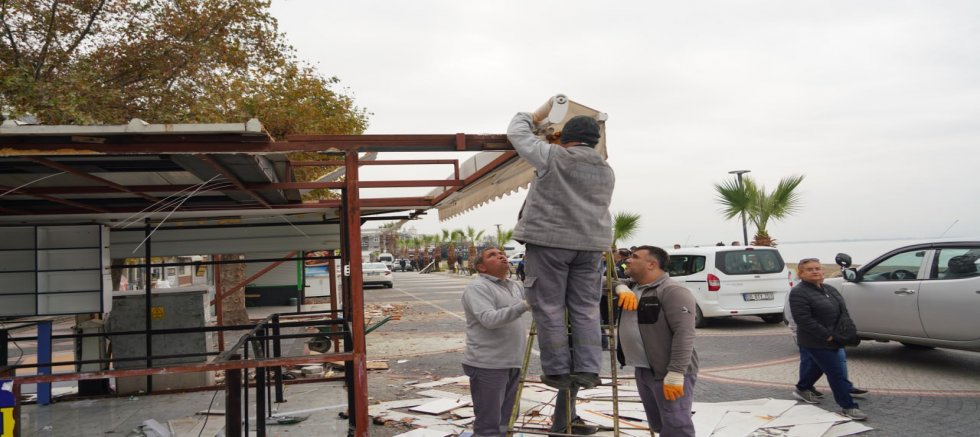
608, 330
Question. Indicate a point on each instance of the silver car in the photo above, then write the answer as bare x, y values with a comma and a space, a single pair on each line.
924, 295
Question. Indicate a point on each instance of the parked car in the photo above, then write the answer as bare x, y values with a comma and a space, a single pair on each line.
376, 274
732, 281
401, 265
923, 295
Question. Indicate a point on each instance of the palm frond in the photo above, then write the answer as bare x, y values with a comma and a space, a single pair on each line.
625, 225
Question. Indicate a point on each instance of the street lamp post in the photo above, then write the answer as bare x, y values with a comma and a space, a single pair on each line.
745, 231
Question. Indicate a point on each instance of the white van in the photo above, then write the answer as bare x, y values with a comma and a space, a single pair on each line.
732, 281
388, 259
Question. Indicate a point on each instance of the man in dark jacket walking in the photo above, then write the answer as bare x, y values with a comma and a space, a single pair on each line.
816, 309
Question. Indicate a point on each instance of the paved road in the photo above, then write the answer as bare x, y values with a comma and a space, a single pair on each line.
913, 392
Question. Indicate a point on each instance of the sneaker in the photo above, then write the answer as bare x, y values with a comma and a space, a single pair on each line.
859, 393
816, 393
854, 414
805, 396
561, 382
586, 380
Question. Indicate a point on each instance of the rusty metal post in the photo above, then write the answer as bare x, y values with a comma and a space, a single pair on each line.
333, 302
233, 401
359, 411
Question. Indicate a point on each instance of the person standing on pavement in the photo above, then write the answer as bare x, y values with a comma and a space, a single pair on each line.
496, 338
566, 225
816, 308
807, 365
656, 333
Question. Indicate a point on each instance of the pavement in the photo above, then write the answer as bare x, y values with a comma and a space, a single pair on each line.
913, 392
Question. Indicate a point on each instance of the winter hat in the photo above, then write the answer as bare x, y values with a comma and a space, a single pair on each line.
581, 128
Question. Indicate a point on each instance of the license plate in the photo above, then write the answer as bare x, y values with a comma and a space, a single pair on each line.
379, 274
757, 296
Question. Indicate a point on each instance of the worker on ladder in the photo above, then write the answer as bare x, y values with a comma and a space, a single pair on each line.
566, 225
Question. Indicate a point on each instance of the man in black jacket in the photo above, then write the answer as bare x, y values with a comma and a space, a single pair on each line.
816, 309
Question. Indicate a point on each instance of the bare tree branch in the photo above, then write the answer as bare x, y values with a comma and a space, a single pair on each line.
88, 28
47, 41
10, 34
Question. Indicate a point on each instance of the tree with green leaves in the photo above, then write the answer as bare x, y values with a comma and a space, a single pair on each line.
759, 206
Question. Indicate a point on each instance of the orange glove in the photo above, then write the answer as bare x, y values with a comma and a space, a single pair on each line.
627, 298
673, 386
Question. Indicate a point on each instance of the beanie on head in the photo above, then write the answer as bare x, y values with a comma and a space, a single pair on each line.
581, 128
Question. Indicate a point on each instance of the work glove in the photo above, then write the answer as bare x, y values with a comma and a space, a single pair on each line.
627, 298
673, 386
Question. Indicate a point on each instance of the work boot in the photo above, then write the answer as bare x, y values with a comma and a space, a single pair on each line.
579, 427
586, 380
561, 382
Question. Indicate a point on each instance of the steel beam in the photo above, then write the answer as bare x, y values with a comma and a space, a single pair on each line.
359, 410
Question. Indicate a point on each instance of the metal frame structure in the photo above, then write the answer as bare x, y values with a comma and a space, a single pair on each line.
255, 179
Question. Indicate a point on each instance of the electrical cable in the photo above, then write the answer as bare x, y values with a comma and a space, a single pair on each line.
208, 414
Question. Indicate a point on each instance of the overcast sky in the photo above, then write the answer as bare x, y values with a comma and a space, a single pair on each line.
876, 102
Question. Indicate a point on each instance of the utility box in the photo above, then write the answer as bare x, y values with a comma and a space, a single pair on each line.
171, 308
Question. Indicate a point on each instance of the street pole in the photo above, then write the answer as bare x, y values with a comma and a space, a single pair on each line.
745, 231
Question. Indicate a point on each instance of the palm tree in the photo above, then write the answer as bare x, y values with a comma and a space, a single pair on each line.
625, 225
451, 237
503, 236
759, 207
417, 245
473, 236
437, 241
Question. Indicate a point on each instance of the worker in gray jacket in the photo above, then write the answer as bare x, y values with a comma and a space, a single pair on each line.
496, 338
657, 339
566, 226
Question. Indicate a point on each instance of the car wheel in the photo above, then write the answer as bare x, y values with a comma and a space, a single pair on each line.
699, 320
918, 346
772, 318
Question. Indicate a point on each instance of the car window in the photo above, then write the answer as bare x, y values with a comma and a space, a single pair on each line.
749, 262
899, 267
956, 263
684, 265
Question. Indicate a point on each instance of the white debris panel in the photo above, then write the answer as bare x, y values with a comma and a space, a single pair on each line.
447, 412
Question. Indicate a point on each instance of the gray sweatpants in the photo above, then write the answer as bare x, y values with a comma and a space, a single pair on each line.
494, 392
559, 421
667, 418
560, 279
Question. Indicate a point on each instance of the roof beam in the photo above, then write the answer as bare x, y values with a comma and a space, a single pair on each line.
68, 169
21, 146
234, 180
52, 199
